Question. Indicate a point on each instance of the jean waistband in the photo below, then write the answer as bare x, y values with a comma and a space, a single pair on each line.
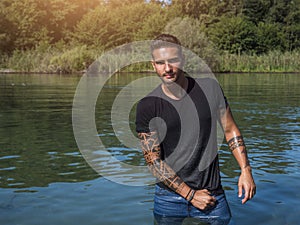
213, 192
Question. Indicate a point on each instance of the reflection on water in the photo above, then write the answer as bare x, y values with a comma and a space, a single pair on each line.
267, 109
37, 144
43, 172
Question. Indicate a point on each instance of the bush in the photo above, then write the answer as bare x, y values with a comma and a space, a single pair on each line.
72, 60
47, 59
234, 34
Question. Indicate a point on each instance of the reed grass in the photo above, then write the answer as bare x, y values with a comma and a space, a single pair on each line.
274, 61
49, 59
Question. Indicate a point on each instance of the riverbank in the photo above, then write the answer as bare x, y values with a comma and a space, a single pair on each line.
4, 72
78, 59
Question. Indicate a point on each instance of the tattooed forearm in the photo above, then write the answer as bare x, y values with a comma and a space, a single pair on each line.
236, 142
161, 170
165, 173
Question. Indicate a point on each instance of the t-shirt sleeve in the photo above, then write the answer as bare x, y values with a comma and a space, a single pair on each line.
215, 93
144, 114
220, 97
223, 99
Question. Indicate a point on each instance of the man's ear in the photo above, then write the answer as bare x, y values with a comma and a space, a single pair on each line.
153, 65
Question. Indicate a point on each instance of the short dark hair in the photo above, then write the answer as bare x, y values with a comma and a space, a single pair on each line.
165, 40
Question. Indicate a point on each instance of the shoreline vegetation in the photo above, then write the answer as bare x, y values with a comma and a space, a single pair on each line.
67, 36
77, 61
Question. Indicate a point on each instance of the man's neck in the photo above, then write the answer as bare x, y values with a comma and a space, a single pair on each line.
176, 90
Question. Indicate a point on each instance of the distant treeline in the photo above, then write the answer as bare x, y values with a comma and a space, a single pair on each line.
230, 35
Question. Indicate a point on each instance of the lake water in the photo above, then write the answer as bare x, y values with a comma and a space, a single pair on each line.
44, 178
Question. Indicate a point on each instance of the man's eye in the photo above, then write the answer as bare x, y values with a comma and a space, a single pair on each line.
159, 62
175, 60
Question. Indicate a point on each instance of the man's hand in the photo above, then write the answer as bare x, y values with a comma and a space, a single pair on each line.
246, 184
203, 200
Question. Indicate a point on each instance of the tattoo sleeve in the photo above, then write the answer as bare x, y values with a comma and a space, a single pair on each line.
161, 170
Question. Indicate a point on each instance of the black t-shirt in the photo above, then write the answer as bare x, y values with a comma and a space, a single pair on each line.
187, 130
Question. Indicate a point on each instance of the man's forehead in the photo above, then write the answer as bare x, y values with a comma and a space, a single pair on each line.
166, 53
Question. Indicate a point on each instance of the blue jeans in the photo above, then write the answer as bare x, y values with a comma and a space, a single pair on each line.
172, 209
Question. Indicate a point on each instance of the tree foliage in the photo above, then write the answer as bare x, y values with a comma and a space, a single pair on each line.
255, 26
36, 21
234, 34
109, 26
256, 10
192, 36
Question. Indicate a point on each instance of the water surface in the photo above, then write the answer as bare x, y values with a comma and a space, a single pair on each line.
45, 180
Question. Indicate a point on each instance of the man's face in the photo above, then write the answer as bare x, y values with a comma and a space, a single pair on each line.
168, 62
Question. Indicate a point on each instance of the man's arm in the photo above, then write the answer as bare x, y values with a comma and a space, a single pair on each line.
161, 170
236, 144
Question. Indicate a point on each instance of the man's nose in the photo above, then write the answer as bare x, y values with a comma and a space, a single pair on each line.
168, 66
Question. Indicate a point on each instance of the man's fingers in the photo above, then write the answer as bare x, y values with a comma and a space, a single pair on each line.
212, 203
240, 193
205, 191
203, 199
249, 193
252, 193
245, 199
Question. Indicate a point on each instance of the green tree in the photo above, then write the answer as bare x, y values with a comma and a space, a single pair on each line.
25, 16
234, 34
270, 37
281, 18
292, 37
191, 34
279, 9
107, 27
292, 27
36, 21
55, 17
120, 3
256, 10
209, 8
7, 28
156, 21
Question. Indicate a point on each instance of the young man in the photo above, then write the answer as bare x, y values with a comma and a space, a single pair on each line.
177, 126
